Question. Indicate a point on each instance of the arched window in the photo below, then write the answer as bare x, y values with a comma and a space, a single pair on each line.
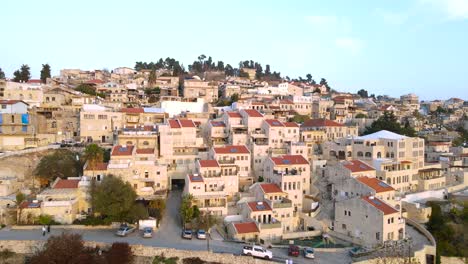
387, 155
145, 143
368, 154
379, 155
350, 153
392, 155
129, 143
359, 154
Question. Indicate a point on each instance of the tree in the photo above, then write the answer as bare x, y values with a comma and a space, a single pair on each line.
323, 81
137, 212
220, 66
2, 74
23, 74
113, 198
206, 221
261, 179
267, 70
300, 118
228, 70
156, 209
67, 248
88, 89
388, 121
234, 97
45, 219
360, 115
152, 78
20, 198
120, 253
45, 72
186, 208
309, 78
62, 163
363, 93
93, 155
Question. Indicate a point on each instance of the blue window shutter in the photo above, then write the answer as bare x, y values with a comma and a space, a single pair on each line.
25, 118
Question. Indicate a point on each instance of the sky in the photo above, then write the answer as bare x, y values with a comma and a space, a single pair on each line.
390, 47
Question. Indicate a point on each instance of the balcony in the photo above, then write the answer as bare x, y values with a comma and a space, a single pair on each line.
227, 161
276, 224
285, 203
287, 173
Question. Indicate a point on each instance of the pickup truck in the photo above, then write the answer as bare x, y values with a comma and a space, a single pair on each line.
257, 251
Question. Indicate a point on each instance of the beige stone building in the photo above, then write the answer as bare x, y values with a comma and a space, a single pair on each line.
332, 129
235, 158
195, 88
368, 220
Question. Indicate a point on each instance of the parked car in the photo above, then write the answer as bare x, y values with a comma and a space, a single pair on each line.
293, 250
125, 230
356, 252
187, 233
309, 253
201, 234
148, 232
257, 251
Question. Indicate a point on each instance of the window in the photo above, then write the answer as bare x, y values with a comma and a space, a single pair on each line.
102, 117
146, 174
377, 236
343, 226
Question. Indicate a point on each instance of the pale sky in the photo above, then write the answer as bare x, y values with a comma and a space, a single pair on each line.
389, 47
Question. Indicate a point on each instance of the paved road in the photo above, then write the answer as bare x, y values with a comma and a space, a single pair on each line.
169, 235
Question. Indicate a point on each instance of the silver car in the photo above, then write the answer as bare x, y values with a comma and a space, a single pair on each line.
148, 232
309, 253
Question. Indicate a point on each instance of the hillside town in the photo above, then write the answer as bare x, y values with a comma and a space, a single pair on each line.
232, 155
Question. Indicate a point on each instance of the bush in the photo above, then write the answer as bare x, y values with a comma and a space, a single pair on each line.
6, 254
93, 221
163, 260
119, 253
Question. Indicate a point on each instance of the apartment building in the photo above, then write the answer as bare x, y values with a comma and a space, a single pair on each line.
99, 124
431, 179
235, 158
217, 133
236, 128
195, 88
332, 129
292, 174
368, 221
30, 92
321, 109
139, 167
17, 126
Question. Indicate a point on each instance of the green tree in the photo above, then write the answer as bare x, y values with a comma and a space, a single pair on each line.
300, 118
45, 219
23, 74
152, 78
2, 74
156, 209
45, 72
206, 221
388, 121
261, 179
113, 198
93, 155
361, 115
323, 81
186, 208
62, 163
20, 198
363, 93
234, 97
137, 212
88, 89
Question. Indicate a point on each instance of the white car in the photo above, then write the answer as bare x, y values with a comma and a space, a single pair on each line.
201, 234
309, 253
125, 230
257, 251
148, 232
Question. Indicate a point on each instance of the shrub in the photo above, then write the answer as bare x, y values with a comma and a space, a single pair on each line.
6, 254
119, 253
163, 260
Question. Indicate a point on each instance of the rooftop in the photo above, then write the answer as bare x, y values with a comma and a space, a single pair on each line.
145, 151
208, 163
376, 184
122, 150
244, 228
290, 160
195, 178
383, 134
321, 123
274, 123
66, 184
232, 149
259, 206
253, 113
179, 123
234, 114
270, 188
379, 204
217, 123
357, 166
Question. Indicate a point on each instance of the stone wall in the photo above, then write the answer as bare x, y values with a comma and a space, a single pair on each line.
30, 246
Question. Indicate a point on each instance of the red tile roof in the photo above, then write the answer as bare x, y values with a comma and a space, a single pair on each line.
234, 114
95, 81
11, 101
274, 123
122, 151
357, 166
376, 184
286, 101
178, 123
290, 124
145, 151
270, 188
217, 123
34, 81
196, 178
232, 149
380, 205
27, 204
244, 228
66, 184
290, 160
253, 113
101, 166
208, 163
259, 206
132, 110
321, 123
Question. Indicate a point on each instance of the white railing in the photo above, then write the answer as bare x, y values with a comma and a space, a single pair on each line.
118, 166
